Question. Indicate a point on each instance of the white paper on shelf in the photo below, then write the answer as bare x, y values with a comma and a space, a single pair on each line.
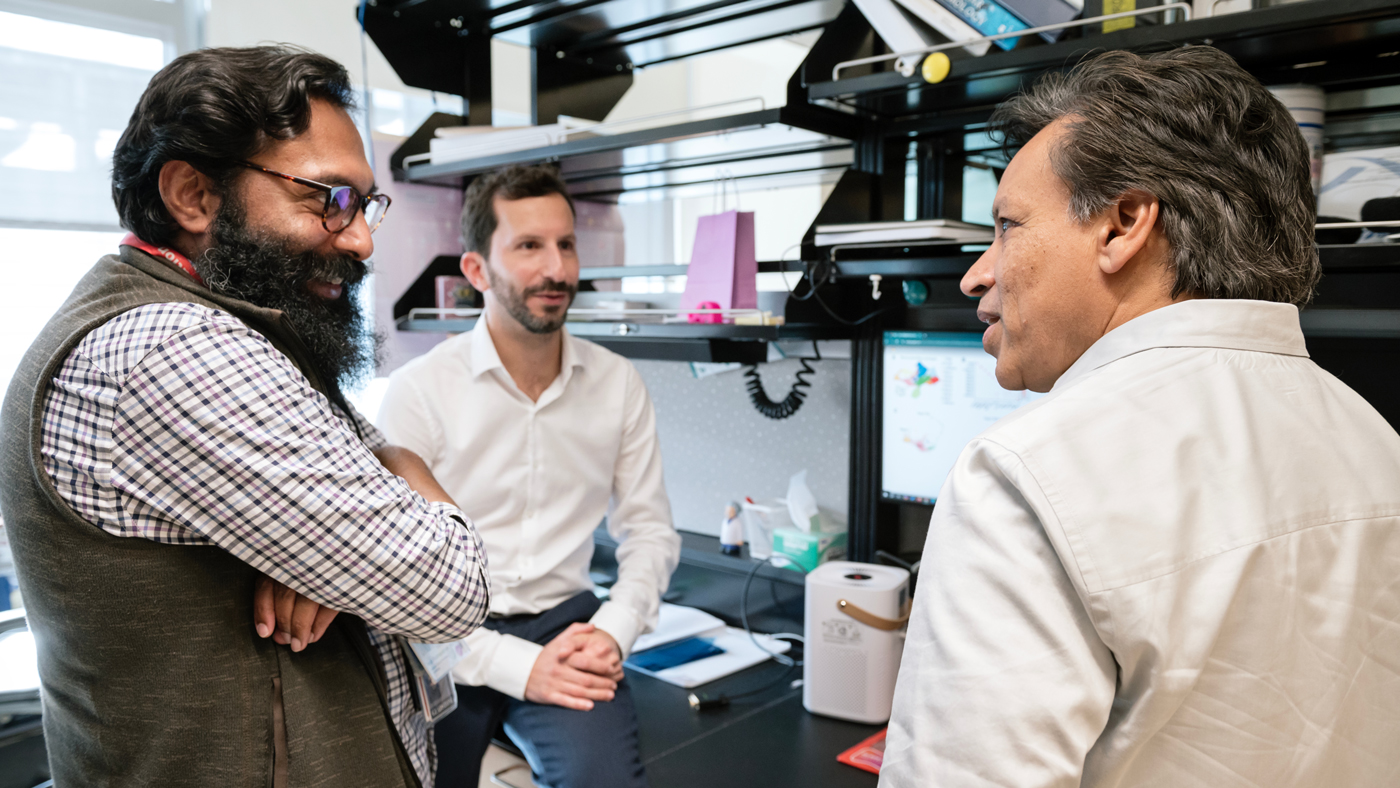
947, 23
895, 236
739, 653
900, 31
676, 622
924, 230
941, 224
1352, 177
456, 143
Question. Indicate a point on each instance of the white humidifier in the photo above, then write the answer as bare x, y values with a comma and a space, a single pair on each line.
856, 616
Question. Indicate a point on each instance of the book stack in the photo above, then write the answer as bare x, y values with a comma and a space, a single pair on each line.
917, 24
459, 143
1038, 13
919, 232
989, 18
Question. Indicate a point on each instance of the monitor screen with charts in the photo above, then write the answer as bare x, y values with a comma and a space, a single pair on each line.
940, 392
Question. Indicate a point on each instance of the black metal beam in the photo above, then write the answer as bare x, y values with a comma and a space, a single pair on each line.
579, 86
866, 427
1271, 42
599, 144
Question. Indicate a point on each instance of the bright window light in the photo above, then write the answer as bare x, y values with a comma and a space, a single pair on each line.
46, 148
45, 266
47, 37
106, 143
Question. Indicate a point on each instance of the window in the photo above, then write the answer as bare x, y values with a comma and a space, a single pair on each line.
72, 78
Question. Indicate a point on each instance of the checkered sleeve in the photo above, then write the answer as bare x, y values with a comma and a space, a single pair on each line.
369, 434
218, 432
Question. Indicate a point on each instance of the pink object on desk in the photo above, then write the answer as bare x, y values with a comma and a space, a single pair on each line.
695, 318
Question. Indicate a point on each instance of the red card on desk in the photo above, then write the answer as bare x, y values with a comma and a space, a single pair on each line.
867, 755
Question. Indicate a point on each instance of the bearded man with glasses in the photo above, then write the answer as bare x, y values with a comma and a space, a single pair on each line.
191, 501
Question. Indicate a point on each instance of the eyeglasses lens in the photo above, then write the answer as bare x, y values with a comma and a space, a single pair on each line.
375, 209
340, 207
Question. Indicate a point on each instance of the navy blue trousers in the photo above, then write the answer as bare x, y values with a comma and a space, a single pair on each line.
565, 748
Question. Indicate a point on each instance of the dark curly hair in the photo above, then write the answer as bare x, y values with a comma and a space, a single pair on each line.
214, 108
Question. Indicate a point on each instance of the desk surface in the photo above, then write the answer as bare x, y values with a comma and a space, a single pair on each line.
766, 739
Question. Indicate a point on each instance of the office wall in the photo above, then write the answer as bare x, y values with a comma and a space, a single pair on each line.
327, 26
717, 448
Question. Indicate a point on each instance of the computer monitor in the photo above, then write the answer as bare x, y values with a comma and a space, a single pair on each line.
940, 392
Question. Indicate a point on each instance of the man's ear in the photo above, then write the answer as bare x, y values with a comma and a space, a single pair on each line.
474, 269
189, 196
1127, 228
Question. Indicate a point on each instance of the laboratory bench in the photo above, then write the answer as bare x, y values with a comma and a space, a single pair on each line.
766, 739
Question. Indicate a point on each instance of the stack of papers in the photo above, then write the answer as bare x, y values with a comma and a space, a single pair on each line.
923, 231
675, 622
678, 623
458, 143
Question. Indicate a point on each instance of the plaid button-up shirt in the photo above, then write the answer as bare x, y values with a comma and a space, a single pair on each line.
180, 424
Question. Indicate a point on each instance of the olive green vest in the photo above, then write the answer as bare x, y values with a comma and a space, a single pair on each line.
152, 673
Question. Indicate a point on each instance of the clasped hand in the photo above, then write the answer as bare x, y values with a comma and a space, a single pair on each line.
288, 617
581, 665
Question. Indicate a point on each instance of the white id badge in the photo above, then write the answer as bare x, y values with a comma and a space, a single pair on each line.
437, 659
435, 695
436, 699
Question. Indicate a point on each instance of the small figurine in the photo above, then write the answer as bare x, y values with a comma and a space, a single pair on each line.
731, 531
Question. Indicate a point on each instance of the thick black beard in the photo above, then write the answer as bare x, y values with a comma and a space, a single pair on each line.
267, 270
515, 302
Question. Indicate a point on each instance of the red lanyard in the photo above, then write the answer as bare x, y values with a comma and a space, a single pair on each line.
167, 253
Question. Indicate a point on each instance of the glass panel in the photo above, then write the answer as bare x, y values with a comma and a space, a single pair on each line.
41, 269
979, 189
911, 183
68, 93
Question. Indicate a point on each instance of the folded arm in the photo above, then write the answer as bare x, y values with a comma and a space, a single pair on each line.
218, 431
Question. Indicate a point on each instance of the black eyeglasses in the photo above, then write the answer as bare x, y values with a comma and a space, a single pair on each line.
342, 202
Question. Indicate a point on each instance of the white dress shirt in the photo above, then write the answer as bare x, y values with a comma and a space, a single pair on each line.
537, 478
1180, 568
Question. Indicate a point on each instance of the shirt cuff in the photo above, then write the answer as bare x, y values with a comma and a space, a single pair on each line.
619, 621
511, 665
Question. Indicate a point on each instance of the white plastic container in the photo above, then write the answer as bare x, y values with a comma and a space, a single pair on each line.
759, 521
1307, 104
850, 666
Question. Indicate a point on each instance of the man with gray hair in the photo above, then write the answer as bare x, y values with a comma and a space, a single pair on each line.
1180, 567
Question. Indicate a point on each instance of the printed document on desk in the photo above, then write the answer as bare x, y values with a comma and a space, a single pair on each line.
676, 622
739, 653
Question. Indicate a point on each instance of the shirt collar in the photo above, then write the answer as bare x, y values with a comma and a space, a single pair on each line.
485, 358
1228, 324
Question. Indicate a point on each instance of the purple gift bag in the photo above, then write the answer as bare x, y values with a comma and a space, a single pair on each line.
722, 265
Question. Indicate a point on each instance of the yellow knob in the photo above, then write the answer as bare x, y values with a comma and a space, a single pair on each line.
936, 67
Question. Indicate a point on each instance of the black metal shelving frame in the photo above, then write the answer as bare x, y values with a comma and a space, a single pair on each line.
1326, 42
888, 119
664, 341
827, 124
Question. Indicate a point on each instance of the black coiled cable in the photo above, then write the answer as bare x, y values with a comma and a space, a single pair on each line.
792, 402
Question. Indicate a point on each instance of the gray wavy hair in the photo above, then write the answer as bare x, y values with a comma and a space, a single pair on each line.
1222, 156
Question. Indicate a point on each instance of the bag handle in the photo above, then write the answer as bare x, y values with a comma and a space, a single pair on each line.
870, 619
719, 196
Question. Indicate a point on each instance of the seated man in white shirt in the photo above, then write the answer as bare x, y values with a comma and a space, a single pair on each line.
545, 434
1178, 568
